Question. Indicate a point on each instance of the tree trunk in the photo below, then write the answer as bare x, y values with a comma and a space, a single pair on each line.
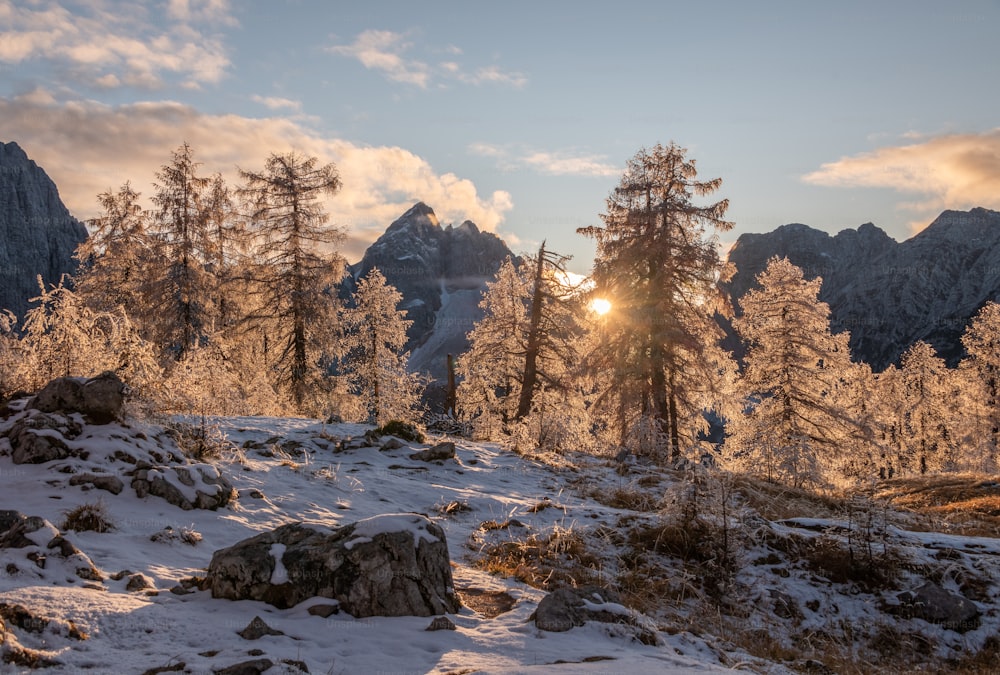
529, 380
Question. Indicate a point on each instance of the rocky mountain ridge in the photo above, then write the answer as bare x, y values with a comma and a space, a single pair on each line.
37, 233
889, 294
441, 273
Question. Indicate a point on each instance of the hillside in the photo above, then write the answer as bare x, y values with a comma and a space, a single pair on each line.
726, 573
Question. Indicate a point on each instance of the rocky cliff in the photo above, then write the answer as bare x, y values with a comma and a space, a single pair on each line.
441, 273
37, 234
889, 295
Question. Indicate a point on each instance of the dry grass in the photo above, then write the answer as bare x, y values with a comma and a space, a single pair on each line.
627, 498
89, 518
775, 501
559, 558
966, 504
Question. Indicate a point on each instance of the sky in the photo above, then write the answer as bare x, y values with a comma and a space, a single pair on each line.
520, 116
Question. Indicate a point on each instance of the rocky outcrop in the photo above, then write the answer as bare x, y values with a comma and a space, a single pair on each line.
441, 273
567, 608
192, 486
888, 295
389, 565
37, 234
39, 437
99, 398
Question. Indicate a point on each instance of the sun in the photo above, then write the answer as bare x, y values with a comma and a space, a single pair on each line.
600, 306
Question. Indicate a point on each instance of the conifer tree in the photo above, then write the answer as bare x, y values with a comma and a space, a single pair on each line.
928, 440
659, 267
115, 260
982, 344
794, 368
9, 353
181, 286
375, 363
294, 272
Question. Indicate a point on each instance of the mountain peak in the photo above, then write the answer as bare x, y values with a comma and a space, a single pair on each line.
417, 215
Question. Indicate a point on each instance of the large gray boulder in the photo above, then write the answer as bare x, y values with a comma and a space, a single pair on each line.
99, 398
934, 604
389, 565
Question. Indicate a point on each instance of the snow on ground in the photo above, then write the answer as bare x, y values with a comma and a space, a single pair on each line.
304, 479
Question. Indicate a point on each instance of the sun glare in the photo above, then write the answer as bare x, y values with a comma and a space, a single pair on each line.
600, 306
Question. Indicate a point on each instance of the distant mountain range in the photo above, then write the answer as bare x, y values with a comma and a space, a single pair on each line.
37, 233
887, 294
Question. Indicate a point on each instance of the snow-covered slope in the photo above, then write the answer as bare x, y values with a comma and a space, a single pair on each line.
788, 606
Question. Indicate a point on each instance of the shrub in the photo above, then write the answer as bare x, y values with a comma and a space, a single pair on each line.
88, 518
404, 430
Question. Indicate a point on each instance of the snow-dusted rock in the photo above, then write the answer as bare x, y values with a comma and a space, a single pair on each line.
934, 604
99, 398
439, 452
102, 481
40, 437
566, 608
192, 486
389, 565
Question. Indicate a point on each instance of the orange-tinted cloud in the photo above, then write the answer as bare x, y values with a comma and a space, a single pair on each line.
955, 171
88, 148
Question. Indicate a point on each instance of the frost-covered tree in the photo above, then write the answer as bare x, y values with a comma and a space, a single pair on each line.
9, 352
180, 284
526, 344
794, 368
115, 260
295, 271
928, 397
491, 368
658, 266
374, 360
982, 344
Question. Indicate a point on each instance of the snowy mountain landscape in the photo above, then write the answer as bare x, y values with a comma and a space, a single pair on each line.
821, 586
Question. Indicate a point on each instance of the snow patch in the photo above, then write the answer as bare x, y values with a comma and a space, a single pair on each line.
367, 529
280, 574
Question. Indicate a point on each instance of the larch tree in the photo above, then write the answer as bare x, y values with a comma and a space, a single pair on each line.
982, 344
9, 353
928, 395
296, 268
114, 259
374, 359
491, 369
182, 288
793, 369
659, 267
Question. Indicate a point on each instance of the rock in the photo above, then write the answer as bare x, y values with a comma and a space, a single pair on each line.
173, 668
255, 667
567, 608
392, 444
99, 398
17, 536
192, 486
105, 481
323, 611
138, 582
936, 605
40, 437
257, 629
441, 623
785, 606
9, 519
389, 565
441, 451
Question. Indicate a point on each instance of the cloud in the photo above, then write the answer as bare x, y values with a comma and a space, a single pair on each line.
277, 103
382, 50
953, 171
558, 163
110, 44
88, 148
385, 51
